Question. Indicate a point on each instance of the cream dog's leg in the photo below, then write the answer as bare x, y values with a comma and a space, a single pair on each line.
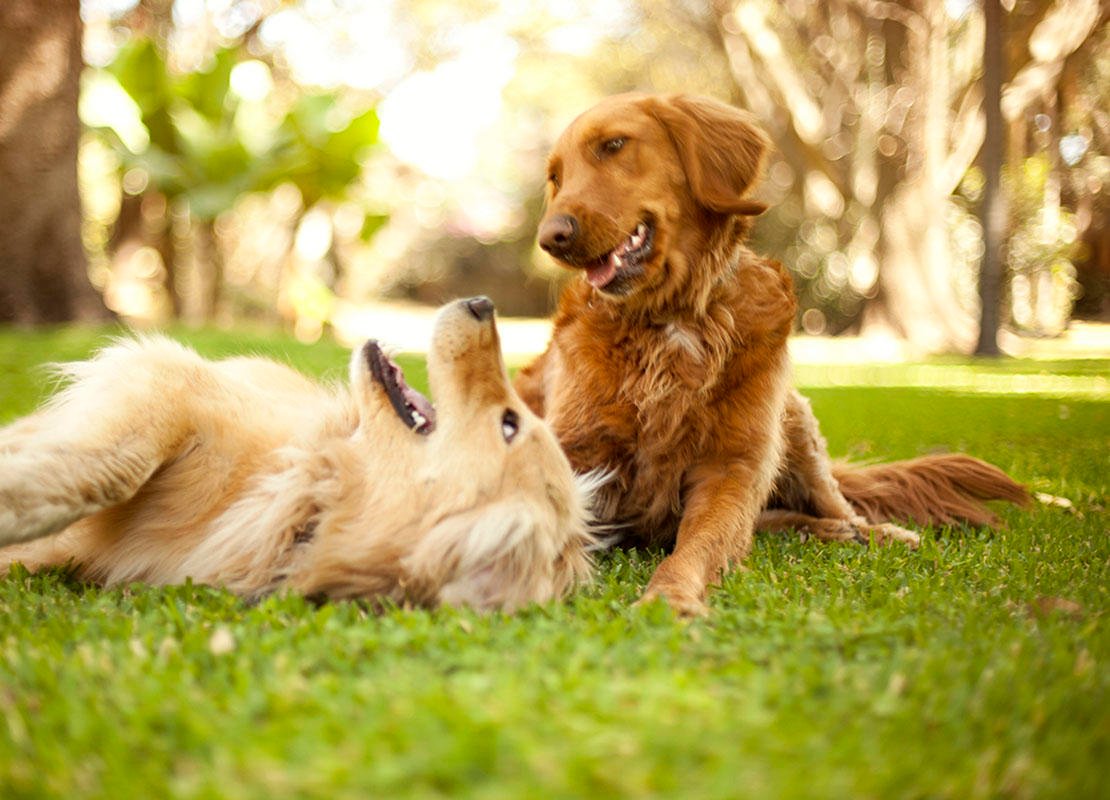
92, 446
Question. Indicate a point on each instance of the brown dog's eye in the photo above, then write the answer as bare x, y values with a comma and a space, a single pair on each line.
612, 146
510, 425
553, 179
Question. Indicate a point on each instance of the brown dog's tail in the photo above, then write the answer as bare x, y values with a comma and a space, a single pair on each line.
941, 489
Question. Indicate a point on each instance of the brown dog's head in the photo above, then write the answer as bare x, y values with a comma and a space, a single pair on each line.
638, 183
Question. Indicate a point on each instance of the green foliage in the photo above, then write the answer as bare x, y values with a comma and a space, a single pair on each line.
1041, 239
310, 152
974, 667
1033, 245
197, 149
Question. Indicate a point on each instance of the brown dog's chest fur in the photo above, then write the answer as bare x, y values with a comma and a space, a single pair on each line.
654, 397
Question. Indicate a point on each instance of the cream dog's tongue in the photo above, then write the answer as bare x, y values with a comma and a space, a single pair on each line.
425, 416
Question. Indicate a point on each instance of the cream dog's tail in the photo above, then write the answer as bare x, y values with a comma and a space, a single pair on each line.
940, 489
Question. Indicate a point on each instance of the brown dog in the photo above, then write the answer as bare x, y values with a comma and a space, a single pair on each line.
669, 365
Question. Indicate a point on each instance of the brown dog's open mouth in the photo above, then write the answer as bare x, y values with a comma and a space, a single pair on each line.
414, 409
627, 258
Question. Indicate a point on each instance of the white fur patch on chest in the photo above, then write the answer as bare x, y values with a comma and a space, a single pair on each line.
679, 337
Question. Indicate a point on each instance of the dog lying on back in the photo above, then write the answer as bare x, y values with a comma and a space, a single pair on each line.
155, 465
668, 364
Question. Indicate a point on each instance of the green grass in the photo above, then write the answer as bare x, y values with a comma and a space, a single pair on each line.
978, 666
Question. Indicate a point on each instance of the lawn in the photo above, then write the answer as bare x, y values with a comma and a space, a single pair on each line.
978, 666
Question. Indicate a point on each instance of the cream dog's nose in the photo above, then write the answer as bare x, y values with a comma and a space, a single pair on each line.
481, 307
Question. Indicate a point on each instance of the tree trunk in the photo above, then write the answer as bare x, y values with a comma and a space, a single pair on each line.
916, 297
206, 275
43, 269
992, 212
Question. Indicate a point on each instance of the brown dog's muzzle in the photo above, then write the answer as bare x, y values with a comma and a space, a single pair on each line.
559, 235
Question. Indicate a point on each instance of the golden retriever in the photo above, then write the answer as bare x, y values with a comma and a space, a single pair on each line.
668, 362
155, 465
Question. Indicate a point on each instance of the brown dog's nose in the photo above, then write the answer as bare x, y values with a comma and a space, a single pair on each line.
559, 234
481, 307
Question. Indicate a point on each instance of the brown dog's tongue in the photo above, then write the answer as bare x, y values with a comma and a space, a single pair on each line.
603, 273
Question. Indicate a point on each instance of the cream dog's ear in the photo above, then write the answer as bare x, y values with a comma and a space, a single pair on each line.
721, 148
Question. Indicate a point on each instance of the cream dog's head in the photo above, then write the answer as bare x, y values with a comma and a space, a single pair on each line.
472, 500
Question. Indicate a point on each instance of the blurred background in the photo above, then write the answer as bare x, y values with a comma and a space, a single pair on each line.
298, 163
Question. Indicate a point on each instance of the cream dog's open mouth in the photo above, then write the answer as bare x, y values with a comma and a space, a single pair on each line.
625, 259
414, 409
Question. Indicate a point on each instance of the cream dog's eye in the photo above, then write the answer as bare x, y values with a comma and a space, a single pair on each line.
510, 425
612, 146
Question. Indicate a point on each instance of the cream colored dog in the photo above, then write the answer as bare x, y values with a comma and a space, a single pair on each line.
155, 465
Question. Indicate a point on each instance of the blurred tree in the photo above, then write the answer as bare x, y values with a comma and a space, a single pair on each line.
202, 149
877, 108
1085, 117
992, 212
1058, 168
857, 95
43, 270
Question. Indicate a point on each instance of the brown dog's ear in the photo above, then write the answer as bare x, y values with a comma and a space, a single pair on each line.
721, 149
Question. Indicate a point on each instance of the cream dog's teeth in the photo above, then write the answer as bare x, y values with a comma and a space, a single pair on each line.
419, 419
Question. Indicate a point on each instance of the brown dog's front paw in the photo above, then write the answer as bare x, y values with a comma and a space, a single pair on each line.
677, 582
683, 603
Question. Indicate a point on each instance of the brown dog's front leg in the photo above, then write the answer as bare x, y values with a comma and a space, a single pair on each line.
716, 529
